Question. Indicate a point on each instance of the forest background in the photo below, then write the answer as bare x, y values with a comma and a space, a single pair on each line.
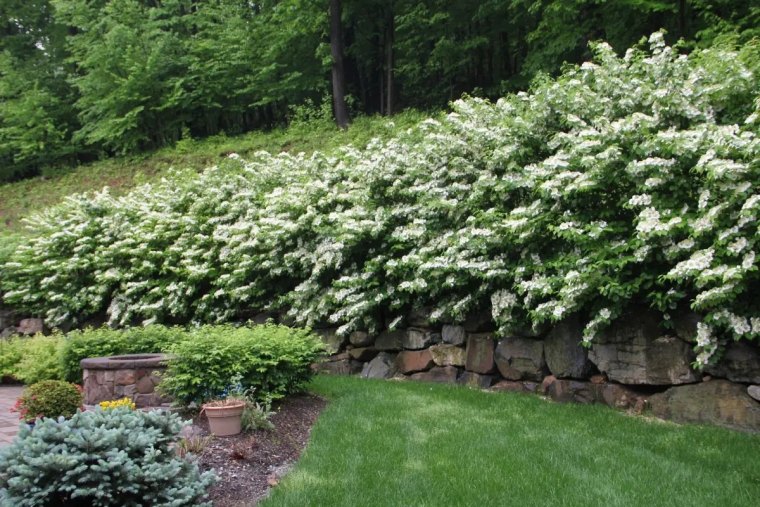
82, 80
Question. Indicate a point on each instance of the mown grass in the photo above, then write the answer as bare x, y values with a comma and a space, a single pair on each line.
19, 199
404, 443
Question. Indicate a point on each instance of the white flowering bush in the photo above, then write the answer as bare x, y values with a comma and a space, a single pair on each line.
629, 179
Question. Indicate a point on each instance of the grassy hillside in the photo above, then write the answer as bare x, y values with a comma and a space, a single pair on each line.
19, 199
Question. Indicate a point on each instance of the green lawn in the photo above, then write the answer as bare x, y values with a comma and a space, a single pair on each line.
415, 444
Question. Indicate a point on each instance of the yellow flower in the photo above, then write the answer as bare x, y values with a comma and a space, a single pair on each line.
124, 402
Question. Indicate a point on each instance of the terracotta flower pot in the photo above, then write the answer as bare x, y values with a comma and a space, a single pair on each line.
224, 417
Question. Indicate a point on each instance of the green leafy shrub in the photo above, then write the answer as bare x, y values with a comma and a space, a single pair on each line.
11, 353
8, 243
104, 341
49, 398
41, 359
101, 458
31, 359
257, 415
628, 179
213, 361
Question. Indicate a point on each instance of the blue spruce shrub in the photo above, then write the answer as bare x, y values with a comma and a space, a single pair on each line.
101, 458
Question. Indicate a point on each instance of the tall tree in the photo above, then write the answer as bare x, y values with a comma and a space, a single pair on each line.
338, 70
390, 30
36, 103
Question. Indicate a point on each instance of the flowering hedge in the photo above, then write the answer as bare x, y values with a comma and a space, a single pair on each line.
627, 179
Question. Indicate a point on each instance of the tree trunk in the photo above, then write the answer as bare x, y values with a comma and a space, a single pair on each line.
682, 18
338, 71
389, 32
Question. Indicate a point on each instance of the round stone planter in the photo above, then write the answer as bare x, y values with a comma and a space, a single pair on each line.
133, 376
224, 418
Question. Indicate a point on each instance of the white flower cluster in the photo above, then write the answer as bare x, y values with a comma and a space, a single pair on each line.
627, 178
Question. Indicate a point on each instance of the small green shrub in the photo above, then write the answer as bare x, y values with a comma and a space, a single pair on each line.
193, 444
104, 341
33, 359
11, 352
40, 359
101, 458
49, 398
213, 360
256, 416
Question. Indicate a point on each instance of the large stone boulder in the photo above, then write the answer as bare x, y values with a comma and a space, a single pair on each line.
479, 353
382, 366
740, 363
685, 324
339, 367
443, 374
453, 335
525, 386
416, 339
565, 356
448, 355
520, 358
633, 350
360, 339
363, 354
390, 340
476, 380
30, 327
618, 396
718, 402
567, 390
411, 361
332, 340
578, 391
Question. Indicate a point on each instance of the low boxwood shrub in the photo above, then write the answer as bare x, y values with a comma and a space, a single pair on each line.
49, 398
272, 360
101, 458
104, 341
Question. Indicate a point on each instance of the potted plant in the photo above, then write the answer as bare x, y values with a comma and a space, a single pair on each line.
225, 416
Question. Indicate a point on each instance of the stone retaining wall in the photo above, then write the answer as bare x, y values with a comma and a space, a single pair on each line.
634, 365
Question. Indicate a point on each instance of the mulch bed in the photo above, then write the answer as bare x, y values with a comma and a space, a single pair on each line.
248, 465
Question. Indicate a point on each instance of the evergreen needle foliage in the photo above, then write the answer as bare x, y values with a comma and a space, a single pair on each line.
116, 457
625, 180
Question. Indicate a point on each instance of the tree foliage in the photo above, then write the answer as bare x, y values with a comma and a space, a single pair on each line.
80, 79
101, 458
